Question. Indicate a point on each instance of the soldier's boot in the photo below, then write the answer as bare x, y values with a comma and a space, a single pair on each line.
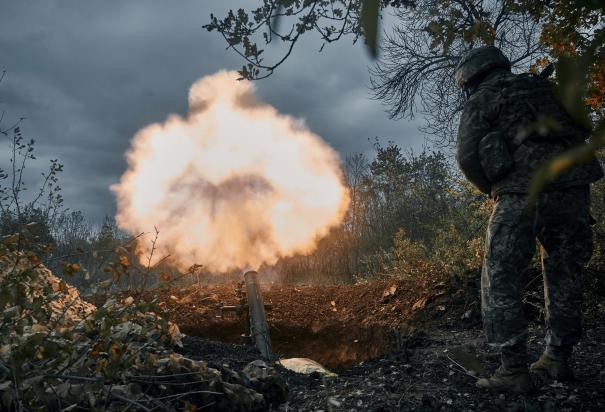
512, 375
507, 379
555, 362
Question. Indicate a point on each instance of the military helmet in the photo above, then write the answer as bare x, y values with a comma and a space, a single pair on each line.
479, 61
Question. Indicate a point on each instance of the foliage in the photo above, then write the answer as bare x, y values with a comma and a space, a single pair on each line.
451, 254
416, 69
19, 212
427, 42
331, 19
428, 39
107, 255
568, 30
58, 352
455, 243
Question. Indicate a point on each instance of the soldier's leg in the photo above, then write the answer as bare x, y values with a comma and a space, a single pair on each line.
510, 245
566, 239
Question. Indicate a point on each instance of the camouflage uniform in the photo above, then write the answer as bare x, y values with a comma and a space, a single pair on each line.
495, 153
560, 221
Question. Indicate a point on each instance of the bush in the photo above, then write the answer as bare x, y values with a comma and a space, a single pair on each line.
58, 352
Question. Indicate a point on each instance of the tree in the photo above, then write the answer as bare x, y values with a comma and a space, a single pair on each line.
422, 51
412, 192
416, 68
415, 72
331, 19
569, 28
424, 47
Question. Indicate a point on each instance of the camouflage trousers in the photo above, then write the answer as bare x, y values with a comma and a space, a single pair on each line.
560, 221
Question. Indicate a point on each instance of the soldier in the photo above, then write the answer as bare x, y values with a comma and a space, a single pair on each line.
499, 148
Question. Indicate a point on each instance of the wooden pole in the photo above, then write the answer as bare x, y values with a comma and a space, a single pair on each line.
259, 328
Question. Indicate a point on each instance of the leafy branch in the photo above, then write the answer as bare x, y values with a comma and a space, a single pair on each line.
573, 83
331, 19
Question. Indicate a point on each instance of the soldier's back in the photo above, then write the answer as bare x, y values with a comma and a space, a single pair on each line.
535, 127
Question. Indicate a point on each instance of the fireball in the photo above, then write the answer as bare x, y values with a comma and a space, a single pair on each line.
233, 184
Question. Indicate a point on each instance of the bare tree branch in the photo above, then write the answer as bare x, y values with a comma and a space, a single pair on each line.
416, 72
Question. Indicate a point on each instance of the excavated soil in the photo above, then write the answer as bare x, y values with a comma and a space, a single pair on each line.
392, 343
336, 325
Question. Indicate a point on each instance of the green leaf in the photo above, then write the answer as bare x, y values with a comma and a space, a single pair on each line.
369, 22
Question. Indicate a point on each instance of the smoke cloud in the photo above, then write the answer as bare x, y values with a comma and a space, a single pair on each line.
234, 184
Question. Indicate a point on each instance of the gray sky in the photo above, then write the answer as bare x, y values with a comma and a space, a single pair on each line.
88, 74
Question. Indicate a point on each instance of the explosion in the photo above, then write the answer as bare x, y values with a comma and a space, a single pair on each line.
234, 184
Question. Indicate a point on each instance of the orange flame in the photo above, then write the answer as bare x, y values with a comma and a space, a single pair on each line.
234, 184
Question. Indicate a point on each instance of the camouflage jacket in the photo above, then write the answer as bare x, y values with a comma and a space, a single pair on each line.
491, 116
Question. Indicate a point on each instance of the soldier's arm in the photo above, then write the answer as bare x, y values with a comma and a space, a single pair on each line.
474, 124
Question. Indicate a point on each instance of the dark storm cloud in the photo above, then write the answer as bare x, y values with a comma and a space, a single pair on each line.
88, 75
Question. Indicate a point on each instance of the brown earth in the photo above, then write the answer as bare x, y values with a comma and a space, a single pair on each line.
392, 342
336, 325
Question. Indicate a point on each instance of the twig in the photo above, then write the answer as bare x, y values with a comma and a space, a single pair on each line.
131, 402
207, 406
150, 382
159, 377
180, 395
73, 378
463, 369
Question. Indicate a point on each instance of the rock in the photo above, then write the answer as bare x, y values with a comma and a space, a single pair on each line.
334, 402
305, 366
257, 369
265, 380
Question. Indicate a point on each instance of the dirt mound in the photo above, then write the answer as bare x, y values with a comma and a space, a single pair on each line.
336, 325
395, 344
341, 325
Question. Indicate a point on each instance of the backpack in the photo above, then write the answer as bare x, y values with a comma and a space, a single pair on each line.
526, 101
526, 98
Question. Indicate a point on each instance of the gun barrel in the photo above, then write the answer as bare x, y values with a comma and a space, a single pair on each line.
259, 328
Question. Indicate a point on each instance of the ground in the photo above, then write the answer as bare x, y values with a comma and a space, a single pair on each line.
396, 345
424, 377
